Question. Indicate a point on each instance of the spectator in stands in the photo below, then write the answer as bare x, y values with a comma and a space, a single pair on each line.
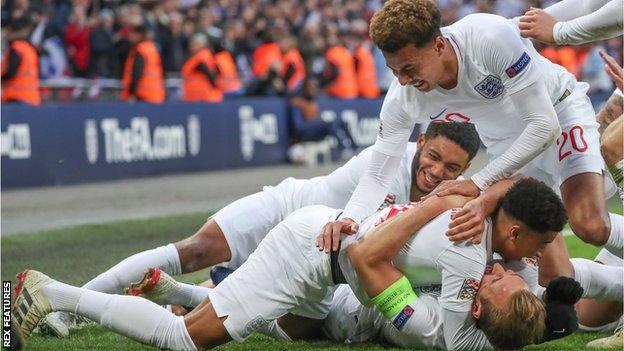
339, 78
174, 44
227, 74
103, 45
77, 41
366, 73
293, 68
143, 73
307, 124
199, 73
20, 66
266, 67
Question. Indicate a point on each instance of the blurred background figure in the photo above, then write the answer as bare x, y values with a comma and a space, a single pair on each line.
199, 73
20, 65
293, 68
143, 71
339, 76
267, 66
307, 123
102, 42
228, 80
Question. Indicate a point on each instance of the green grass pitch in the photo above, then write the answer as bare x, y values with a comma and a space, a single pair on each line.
77, 254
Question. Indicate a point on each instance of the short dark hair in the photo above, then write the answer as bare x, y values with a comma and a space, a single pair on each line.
536, 205
403, 22
463, 134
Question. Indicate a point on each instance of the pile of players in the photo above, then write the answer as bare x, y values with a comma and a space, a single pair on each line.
419, 257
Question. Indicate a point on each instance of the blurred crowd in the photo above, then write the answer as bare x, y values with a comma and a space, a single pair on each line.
93, 39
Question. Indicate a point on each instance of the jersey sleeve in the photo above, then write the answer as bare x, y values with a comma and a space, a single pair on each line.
604, 23
566, 10
395, 129
462, 269
461, 332
505, 55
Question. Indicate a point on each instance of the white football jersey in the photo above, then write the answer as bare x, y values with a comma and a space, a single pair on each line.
429, 258
494, 62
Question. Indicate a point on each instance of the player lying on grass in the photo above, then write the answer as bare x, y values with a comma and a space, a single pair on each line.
443, 152
349, 321
532, 116
288, 274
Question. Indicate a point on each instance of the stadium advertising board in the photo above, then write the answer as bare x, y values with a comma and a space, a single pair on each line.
75, 143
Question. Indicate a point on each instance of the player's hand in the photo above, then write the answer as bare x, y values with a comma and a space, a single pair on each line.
613, 69
329, 239
537, 24
468, 223
459, 187
565, 290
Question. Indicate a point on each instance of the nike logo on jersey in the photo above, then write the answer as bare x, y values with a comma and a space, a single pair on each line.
438, 115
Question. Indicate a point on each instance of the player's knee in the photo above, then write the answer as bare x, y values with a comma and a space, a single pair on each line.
591, 228
205, 248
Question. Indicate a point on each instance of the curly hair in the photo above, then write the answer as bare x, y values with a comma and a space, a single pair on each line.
463, 134
536, 205
403, 22
520, 323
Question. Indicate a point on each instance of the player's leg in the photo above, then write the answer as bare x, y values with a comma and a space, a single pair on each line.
134, 317
585, 203
581, 170
230, 235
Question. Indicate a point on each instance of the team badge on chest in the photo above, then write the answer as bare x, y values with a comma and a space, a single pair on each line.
490, 87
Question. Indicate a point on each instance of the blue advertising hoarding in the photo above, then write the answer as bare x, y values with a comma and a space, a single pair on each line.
74, 143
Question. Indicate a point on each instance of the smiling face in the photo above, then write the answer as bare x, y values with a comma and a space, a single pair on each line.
437, 159
421, 68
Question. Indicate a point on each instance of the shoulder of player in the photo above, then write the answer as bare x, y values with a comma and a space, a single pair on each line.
462, 250
478, 21
476, 32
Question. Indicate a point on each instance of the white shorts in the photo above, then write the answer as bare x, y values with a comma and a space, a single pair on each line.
286, 274
577, 149
245, 222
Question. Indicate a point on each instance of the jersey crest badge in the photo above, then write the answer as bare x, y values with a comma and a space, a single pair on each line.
519, 66
403, 317
490, 87
468, 289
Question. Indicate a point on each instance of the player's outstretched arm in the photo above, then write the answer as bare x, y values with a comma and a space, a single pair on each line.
372, 255
573, 22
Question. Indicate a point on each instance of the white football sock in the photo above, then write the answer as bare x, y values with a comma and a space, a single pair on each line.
601, 282
131, 316
616, 239
131, 269
189, 295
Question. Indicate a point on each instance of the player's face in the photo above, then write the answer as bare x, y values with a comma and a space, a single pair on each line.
438, 159
421, 68
523, 242
499, 284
